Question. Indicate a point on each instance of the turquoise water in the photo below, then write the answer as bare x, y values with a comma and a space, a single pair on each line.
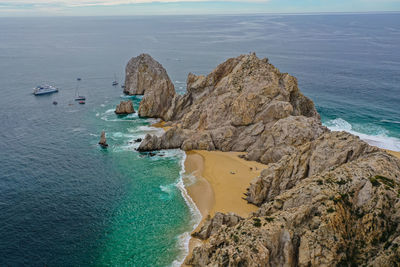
66, 202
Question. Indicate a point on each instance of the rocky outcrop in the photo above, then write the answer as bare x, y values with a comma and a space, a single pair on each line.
103, 140
347, 216
125, 107
245, 104
214, 224
325, 198
145, 76
330, 150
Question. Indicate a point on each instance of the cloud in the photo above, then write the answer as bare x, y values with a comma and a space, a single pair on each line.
83, 3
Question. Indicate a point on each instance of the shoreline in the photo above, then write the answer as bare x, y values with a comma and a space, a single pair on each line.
221, 179
215, 181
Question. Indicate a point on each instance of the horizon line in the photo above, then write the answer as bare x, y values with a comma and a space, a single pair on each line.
217, 14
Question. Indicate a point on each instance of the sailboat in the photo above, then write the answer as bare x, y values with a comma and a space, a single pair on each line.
115, 83
77, 96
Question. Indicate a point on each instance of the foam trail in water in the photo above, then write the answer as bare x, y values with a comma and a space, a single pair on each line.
168, 191
380, 140
196, 216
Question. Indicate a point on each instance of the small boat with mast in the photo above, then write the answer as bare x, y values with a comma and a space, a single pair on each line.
78, 97
115, 83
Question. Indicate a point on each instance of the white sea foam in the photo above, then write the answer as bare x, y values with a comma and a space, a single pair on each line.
151, 130
153, 120
184, 238
122, 135
109, 115
381, 139
79, 129
389, 121
168, 191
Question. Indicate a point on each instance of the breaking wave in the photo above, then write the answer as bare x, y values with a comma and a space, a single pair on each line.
378, 136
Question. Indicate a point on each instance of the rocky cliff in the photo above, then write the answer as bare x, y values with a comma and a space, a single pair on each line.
245, 104
326, 198
343, 216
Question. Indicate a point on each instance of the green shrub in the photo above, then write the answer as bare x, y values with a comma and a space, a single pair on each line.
374, 181
269, 219
257, 224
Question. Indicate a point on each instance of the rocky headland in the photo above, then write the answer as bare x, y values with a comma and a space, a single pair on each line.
325, 198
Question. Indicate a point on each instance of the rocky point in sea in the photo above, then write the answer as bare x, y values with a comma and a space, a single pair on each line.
103, 140
325, 198
124, 107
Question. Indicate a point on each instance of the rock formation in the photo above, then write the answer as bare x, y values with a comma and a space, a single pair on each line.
125, 107
146, 76
103, 140
343, 216
326, 198
245, 104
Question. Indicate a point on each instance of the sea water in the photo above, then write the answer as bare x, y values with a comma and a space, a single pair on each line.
66, 202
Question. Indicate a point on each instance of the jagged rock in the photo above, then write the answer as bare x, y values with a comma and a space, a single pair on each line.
173, 138
330, 150
347, 216
214, 224
145, 76
125, 107
326, 198
236, 106
103, 140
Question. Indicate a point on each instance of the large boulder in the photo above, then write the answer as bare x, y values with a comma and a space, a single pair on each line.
125, 107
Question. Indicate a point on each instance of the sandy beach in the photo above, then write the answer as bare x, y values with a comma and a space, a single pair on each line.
216, 181
221, 181
394, 153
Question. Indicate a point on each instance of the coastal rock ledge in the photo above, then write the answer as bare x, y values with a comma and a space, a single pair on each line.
325, 198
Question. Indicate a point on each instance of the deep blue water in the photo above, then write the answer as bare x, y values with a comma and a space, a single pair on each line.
65, 202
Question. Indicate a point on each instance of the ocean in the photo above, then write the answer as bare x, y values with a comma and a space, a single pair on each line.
66, 202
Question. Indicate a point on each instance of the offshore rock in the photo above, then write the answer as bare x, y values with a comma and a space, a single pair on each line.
125, 107
103, 140
145, 76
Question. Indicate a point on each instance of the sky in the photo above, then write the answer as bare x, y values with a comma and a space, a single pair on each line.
173, 7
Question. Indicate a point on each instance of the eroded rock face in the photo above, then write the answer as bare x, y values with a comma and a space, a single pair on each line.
125, 107
348, 216
214, 224
237, 107
330, 150
145, 76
